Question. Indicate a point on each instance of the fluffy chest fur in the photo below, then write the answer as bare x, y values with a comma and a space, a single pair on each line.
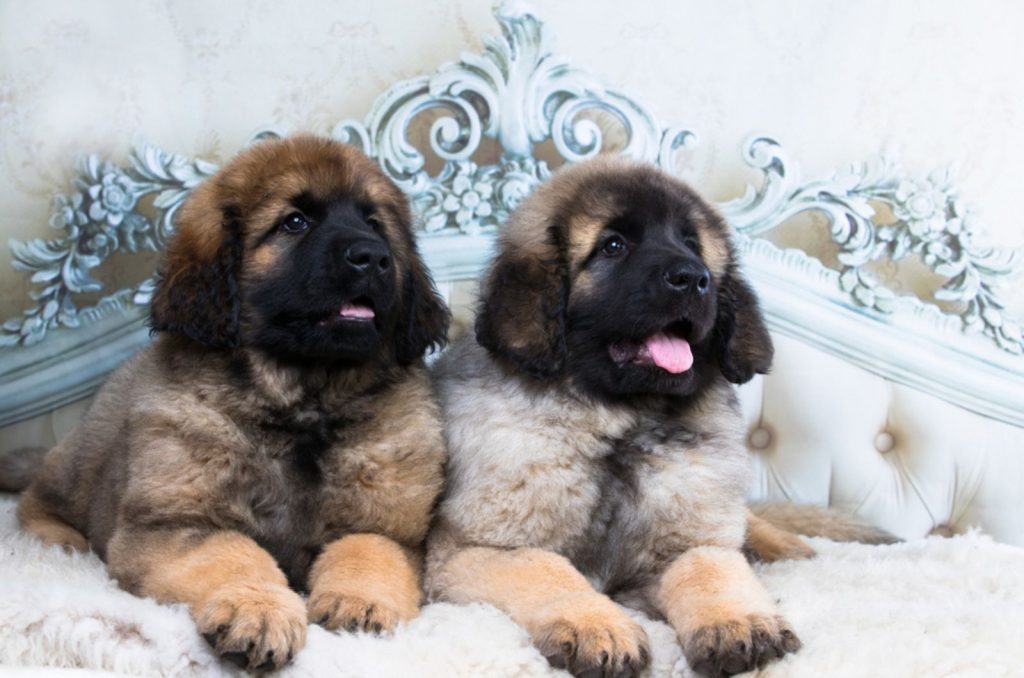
276, 491
618, 490
294, 464
666, 487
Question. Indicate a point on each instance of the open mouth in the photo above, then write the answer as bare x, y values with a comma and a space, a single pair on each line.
358, 310
667, 349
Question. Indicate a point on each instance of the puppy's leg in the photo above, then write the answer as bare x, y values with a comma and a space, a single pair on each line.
363, 582
723, 616
768, 543
237, 595
573, 626
36, 517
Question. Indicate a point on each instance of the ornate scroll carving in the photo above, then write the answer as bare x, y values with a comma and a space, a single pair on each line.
520, 93
929, 219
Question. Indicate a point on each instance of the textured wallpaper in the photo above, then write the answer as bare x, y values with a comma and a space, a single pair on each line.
933, 81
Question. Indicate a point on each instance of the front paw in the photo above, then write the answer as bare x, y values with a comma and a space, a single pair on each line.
589, 636
255, 626
335, 610
739, 645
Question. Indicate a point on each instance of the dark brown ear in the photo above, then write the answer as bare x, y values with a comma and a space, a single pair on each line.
743, 344
522, 309
424, 317
197, 292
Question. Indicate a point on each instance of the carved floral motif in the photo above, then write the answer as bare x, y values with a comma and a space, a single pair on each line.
99, 219
519, 92
930, 221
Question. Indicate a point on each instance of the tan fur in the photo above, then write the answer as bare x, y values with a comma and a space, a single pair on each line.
707, 586
717, 606
716, 253
179, 570
186, 458
363, 581
769, 543
569, 622
819, 521
585, 231
37, 518
236, 592
557, 500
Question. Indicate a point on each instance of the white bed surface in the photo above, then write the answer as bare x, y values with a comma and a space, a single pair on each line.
930, 607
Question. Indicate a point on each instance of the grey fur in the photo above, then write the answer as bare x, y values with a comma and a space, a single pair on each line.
18, 467
589, 469
566, 461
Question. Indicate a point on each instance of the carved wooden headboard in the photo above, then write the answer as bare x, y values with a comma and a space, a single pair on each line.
467, 143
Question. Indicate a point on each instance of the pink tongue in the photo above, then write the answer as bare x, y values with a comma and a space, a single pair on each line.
355, 311
669, 353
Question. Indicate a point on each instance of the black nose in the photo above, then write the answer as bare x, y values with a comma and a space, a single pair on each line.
688, 275
368, 256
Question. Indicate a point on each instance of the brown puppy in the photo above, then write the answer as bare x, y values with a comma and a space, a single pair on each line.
280, 434
595, 442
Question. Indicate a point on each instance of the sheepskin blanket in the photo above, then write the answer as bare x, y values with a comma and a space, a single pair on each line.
933, 607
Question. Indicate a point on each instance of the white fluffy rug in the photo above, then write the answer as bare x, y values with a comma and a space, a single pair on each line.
935, 607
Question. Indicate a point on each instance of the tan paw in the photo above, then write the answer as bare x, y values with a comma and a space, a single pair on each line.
255, 626
588, 635
740, 645
335, 610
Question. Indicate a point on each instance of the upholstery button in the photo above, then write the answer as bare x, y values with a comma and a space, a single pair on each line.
884, 442
760, 438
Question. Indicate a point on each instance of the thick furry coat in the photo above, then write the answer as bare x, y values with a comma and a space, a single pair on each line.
280, 434
595, 440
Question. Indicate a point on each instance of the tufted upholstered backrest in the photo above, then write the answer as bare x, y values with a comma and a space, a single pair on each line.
823, 431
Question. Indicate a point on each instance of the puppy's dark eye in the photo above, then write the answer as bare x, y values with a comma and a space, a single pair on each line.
613, 246
375, 221
295, 223
692, 243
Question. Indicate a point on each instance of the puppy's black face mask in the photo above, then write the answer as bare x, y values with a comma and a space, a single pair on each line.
614, 290
331, 295
643, 325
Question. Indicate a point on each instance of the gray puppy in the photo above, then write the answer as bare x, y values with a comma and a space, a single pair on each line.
595, 440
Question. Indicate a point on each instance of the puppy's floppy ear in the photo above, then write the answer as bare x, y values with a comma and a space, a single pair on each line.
523, 305
742, 342
423, 319
197, 293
